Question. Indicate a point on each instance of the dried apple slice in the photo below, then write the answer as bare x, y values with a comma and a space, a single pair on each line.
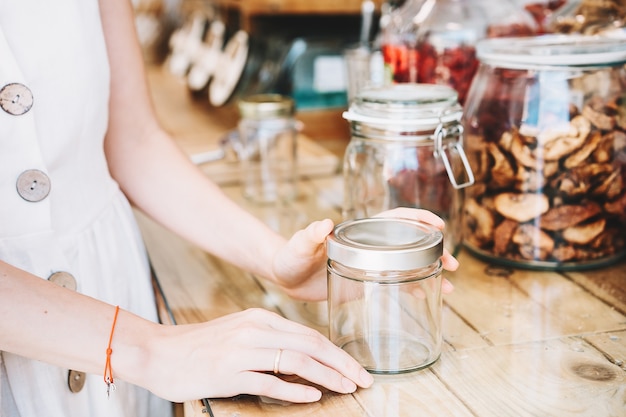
521, 207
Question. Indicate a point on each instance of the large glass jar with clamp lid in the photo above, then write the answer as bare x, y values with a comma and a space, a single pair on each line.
545, 131
406, 151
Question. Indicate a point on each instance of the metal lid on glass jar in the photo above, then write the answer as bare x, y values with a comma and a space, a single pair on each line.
385, 244
403, 106
552, 50
266, 106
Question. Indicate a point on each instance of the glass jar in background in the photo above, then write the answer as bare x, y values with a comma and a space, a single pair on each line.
447, 38
384, 293
506, 19
545, 133
397, 38
406, 151
437, 40
542, 11
446, 44
589, 17
266, 148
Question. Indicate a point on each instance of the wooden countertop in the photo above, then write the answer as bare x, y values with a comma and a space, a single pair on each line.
517, 342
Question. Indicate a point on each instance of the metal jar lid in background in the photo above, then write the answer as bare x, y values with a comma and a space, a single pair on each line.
385, 244
557, 51
266, 106
401, 107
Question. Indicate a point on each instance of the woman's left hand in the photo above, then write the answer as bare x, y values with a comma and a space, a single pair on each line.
301, 264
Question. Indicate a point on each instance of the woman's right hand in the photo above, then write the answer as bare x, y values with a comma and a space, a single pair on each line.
237, 354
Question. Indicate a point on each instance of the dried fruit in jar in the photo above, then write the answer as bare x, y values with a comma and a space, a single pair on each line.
591, 17
556, 194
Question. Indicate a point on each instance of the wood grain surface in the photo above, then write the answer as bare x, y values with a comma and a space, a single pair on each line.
517, 342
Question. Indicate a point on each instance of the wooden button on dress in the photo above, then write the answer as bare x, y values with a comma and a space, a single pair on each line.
16, 99
63, 279
33, 185
75, 379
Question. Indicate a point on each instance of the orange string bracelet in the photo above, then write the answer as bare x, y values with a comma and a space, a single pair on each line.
108, 371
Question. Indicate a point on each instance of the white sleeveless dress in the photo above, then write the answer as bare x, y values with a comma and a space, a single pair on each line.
81, 223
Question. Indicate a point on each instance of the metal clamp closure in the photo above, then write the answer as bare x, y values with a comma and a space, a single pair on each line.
441, 151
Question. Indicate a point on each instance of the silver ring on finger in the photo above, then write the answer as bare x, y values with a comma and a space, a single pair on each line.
277, 361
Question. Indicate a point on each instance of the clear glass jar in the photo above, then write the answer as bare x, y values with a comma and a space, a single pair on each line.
406, 151
446, 44
589, 17
384, 293
434, 41
266, 148
447, 38
397, 39
542, 12
545, 133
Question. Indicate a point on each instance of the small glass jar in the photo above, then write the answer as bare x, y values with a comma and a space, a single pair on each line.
384, 293
266, 147
406, 151
545, 133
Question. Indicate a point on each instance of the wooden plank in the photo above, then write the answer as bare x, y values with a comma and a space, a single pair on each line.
559, 377
331, 405
513, 306
457, 333
196, 125
289, 218
198, 286
578, 310
312, 160
611, 345
500, 312
419, 393
607, 283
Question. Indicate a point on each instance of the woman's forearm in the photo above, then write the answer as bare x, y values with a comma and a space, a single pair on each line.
43, 321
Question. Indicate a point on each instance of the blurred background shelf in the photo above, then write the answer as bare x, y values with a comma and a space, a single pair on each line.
261, 7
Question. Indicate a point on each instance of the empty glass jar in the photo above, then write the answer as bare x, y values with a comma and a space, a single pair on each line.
406, 151
266, 145
384, 289
545, 131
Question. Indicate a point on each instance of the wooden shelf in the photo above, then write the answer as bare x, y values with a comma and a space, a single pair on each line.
260, 17
266, 7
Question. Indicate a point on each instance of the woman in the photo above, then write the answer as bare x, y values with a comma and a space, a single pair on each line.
78, 137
